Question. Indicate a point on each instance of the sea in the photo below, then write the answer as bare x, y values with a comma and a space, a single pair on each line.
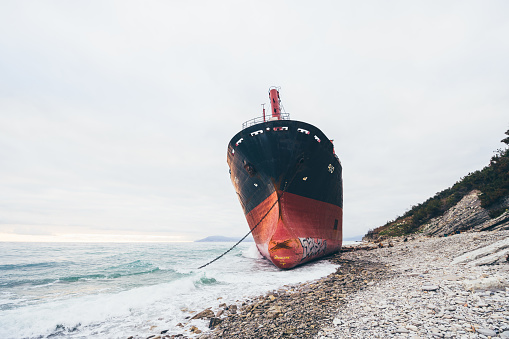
117, 290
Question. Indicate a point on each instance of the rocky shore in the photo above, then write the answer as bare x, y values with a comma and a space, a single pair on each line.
449, 287
420, 287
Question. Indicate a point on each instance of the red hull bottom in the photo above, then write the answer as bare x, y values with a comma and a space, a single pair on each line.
296, 230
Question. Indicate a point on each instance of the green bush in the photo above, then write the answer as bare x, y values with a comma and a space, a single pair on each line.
492, 181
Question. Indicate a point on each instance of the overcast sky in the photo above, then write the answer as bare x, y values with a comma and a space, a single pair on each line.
115, 116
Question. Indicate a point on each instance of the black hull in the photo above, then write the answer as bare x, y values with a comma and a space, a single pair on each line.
289, 183
284, 156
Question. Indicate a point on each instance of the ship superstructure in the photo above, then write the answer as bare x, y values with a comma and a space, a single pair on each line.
288, 180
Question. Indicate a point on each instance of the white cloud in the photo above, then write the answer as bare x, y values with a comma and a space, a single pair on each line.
115, 116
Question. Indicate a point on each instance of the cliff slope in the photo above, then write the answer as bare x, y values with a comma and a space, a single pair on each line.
467, 215
479, 201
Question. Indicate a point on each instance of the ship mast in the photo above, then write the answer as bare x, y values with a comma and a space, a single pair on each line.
274, 103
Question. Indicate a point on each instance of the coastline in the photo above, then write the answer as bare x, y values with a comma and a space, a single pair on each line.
419, 287
448, 287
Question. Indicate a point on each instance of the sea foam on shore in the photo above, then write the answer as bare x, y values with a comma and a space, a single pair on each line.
118, 290
416, 288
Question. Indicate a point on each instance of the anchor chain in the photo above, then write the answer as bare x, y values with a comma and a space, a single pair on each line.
238, 242
299, 164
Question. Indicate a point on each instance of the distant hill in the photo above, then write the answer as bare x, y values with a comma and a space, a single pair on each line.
354, 238
220, 238
479, 201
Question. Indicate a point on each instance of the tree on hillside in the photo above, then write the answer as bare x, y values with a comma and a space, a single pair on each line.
506, 140
492, 181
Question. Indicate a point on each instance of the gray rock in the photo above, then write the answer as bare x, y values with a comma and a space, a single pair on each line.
204, 314
214, 322
486, 283
486, 332
430, 288
412, 328
467, 213
482, 304
346, 305
232, 309
273, 312
483, 252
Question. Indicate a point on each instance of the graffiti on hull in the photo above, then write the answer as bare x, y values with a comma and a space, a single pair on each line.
312, 247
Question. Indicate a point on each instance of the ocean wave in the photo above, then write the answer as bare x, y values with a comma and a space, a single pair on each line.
80, 277
31, 282
154, 270
203, 280
133, 265
84, 277
10, 267
115, 275
113, 297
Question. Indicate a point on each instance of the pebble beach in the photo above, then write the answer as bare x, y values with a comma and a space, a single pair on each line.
416, 287
451, 287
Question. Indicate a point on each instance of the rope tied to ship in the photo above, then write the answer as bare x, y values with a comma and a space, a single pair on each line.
248, 233
299, 164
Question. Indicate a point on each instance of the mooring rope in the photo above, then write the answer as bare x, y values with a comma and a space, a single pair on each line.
299, 164
238, 242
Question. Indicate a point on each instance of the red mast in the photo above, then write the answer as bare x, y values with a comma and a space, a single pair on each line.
274, 103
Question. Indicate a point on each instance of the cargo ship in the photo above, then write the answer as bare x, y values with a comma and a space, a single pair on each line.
288, 180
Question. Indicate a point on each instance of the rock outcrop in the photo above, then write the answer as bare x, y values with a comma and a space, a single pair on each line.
467, 215
487, 255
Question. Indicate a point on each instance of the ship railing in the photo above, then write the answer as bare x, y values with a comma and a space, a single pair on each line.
259, 120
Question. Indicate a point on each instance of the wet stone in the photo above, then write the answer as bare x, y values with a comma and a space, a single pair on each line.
214, 322
204, 314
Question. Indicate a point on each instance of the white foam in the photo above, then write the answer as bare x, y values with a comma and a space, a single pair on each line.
252, 252
42, 319
238, 275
